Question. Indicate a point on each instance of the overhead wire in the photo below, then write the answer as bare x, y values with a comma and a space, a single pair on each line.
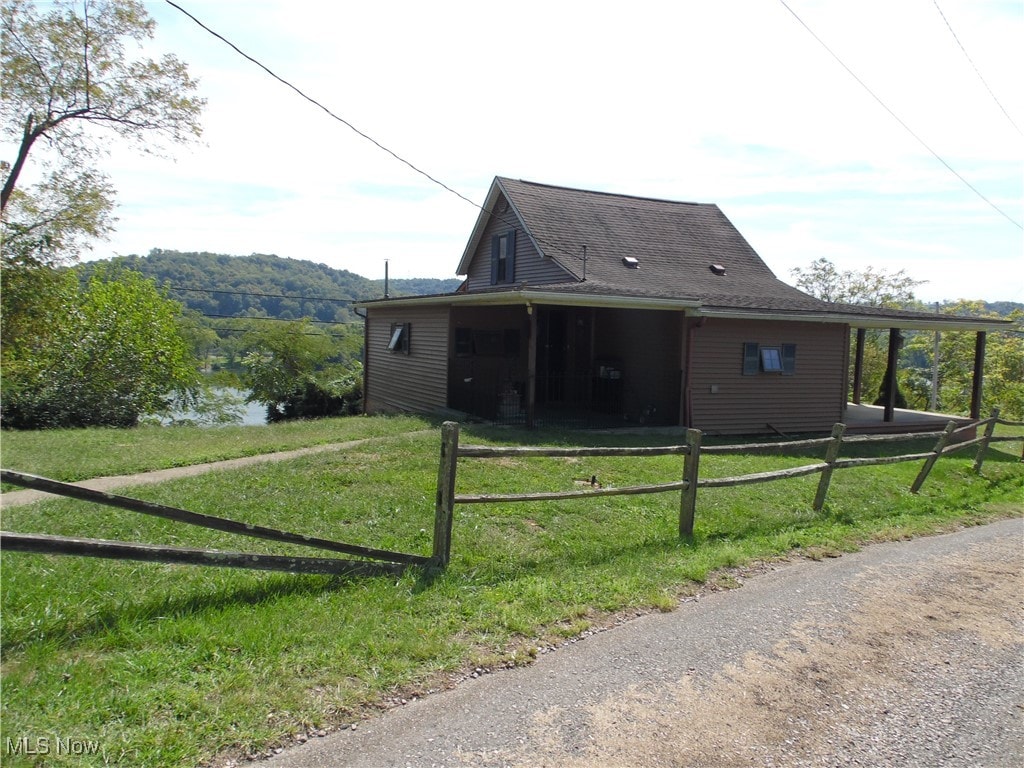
976, 70
899, 120
170, 287
350, 126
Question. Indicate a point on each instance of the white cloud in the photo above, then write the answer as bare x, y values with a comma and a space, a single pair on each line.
731, 102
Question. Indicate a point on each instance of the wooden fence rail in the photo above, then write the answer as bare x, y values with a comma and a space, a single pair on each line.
124, 550
691, 452
446, 499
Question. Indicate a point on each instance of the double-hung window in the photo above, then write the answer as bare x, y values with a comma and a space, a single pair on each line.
503, 258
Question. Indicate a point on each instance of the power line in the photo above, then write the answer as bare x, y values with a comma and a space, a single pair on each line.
316, 103
170, 287
279, 319
351, 127
976, 70
292, 333
896, 117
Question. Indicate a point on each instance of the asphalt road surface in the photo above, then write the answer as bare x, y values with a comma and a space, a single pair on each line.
903, 654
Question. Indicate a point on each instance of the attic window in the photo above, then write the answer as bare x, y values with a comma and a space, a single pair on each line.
631, 262
718, 269
503, 258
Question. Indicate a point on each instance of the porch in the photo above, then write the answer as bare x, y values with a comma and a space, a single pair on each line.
871, 419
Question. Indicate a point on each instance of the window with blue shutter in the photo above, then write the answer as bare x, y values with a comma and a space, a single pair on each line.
503, 258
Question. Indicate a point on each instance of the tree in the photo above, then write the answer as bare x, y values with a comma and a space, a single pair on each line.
1004, 365
65, 74
112, 352
70, 78
876, 288
290, 371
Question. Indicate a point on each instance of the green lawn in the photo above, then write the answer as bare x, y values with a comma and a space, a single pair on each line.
177, 665
77, 454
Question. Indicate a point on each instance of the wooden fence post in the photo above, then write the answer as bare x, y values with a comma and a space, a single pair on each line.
831, 454
983, 446
691, 469
940, 446
445, 504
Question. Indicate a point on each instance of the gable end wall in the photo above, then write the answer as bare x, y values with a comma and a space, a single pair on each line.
530, 267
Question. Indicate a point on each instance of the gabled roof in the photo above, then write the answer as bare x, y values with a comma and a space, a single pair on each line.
677, 246
687, 255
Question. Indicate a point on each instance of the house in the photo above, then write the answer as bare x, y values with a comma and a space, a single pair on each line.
586, 308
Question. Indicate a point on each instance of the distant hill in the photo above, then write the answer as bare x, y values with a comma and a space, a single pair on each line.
1004, 308
263, 285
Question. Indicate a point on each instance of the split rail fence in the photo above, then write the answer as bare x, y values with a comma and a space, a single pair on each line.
690, 481
379, 561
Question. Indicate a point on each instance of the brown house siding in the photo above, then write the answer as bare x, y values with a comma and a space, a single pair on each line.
726, 401
418, 381
530, 267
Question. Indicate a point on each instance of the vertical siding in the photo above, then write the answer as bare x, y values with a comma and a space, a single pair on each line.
417, 382
530, 267
810, 400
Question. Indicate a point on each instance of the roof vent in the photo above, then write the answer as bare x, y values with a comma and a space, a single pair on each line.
631, 262
718, 269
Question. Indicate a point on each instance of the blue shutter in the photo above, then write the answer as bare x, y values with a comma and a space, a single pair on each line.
751, 359
788, 359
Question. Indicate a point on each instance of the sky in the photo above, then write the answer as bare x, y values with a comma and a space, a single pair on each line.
731, 102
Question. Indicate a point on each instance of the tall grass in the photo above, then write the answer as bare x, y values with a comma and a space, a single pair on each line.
173, 665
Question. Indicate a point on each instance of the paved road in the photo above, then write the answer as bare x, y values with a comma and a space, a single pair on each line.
903, 654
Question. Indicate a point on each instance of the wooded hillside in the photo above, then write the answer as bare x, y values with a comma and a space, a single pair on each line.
263, 285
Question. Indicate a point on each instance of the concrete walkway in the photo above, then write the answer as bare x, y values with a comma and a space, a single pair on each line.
104, 484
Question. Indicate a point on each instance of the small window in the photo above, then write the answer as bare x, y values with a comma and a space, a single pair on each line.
399, 338
503, 258
775, 359
771, 360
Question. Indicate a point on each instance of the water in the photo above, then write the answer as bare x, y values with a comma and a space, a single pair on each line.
226, 407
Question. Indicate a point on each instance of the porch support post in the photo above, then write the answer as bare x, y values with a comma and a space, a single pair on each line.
858, 365
979, 366
890, 372
531, 368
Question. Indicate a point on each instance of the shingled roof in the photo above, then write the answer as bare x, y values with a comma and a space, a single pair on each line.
682, 251
678, 247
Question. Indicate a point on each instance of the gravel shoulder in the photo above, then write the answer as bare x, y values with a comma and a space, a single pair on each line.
905, 653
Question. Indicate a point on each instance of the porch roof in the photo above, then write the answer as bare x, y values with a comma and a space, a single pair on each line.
593, 294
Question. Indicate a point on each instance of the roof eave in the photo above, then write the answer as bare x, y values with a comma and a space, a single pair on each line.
529, 297
939, 323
